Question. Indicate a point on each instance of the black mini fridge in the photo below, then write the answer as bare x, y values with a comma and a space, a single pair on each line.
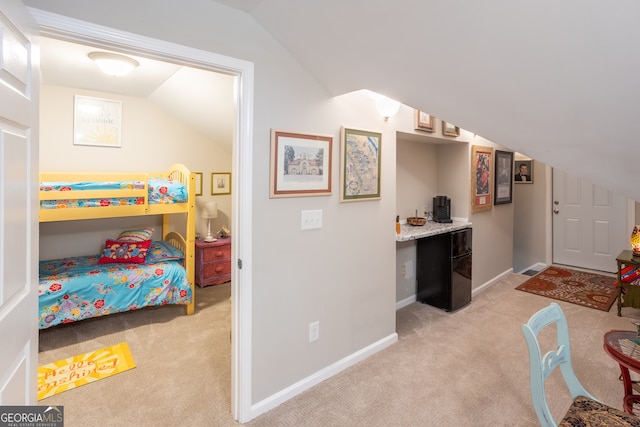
443, 270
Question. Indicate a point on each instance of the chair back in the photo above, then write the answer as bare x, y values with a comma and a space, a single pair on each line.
540, 367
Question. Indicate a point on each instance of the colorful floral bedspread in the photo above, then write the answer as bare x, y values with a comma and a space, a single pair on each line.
78, 288
161, 191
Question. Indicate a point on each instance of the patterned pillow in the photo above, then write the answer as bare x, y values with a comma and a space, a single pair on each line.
124, 252
137, 235
163, 251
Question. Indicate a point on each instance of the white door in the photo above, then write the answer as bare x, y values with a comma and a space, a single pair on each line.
590, 225
18, 206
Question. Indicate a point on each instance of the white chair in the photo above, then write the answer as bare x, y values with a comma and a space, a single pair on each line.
585, 410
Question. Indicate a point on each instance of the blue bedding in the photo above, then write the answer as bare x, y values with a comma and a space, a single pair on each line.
78, 288
161, 191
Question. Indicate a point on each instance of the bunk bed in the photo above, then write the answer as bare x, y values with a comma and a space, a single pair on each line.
80, 196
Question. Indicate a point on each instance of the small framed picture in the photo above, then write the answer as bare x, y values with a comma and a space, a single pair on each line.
523, 171
220, 183
424, 121
503, 187
300, 164
198, 183
450, 130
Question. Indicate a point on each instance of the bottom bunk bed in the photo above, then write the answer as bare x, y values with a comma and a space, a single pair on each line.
126, 276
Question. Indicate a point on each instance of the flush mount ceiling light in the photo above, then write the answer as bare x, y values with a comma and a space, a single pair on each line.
114, 64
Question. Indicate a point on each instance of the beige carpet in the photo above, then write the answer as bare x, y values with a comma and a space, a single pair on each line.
468, 368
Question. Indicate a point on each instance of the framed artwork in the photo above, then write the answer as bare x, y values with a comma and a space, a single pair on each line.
220, 183
360, 165
424, 121
481, 176
503, 189
198, 176
523, 171
97, 121
300, 164
450, 130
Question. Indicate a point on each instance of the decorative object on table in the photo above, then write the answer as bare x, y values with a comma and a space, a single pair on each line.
397, 224
300, 164
523, 170
360, 165
424, 121
220, 183
503, 187
67, 374
481, 176
209, 212
416, 220
635, 241
224, 232
577, 287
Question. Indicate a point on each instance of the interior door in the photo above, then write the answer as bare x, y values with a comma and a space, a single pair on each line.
590, 225
18, 206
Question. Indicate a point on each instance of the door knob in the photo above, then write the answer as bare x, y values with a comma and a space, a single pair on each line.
555, 202
556, 211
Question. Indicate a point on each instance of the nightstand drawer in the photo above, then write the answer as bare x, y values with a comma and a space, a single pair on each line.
216, 253
216, 269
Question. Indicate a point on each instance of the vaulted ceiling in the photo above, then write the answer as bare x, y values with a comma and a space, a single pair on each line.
555, 80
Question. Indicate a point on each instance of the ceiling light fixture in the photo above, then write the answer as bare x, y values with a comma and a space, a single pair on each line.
114, 64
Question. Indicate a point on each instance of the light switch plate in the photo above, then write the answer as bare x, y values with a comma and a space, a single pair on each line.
310, 220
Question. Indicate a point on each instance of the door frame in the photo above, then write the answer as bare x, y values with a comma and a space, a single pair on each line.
74, 30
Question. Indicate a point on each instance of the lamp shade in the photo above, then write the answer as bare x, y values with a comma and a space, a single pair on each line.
210, 210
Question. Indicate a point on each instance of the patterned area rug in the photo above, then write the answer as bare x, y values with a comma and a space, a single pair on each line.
577, 287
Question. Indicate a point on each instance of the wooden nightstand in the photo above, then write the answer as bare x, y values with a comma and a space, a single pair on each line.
213, 262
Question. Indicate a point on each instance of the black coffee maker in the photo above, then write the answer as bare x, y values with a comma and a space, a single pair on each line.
442, 209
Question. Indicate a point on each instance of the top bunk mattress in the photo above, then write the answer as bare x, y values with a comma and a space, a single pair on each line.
161, 191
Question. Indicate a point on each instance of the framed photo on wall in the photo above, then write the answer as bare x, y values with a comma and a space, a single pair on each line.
97, 121
360, 165
523, 171
481, 178
503, 189
198, 183
220, 183
450, 130
300, 164
424, 121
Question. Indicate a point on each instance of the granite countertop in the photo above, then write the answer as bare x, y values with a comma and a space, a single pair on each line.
431, 228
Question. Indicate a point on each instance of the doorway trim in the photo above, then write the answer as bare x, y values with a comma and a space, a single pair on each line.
74, 30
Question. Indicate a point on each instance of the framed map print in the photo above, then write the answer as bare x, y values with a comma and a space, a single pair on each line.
359, 165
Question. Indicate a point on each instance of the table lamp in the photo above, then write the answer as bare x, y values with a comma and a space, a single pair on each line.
209, 211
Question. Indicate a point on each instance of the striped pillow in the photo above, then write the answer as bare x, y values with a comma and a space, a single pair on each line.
138, 235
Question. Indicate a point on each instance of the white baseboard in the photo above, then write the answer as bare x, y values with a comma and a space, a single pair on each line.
491, 282
312, 380
405, 302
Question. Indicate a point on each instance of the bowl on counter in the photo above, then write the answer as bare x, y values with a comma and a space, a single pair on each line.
415, 220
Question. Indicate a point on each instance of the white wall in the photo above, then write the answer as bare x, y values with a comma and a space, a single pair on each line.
152, 140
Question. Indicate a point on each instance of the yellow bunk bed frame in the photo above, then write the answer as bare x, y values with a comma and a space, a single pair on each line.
176, 172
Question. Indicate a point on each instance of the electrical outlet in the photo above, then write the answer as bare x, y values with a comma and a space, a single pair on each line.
314, 331
403, 271
425, 211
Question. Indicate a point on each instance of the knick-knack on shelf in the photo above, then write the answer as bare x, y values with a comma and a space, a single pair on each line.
635, 240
